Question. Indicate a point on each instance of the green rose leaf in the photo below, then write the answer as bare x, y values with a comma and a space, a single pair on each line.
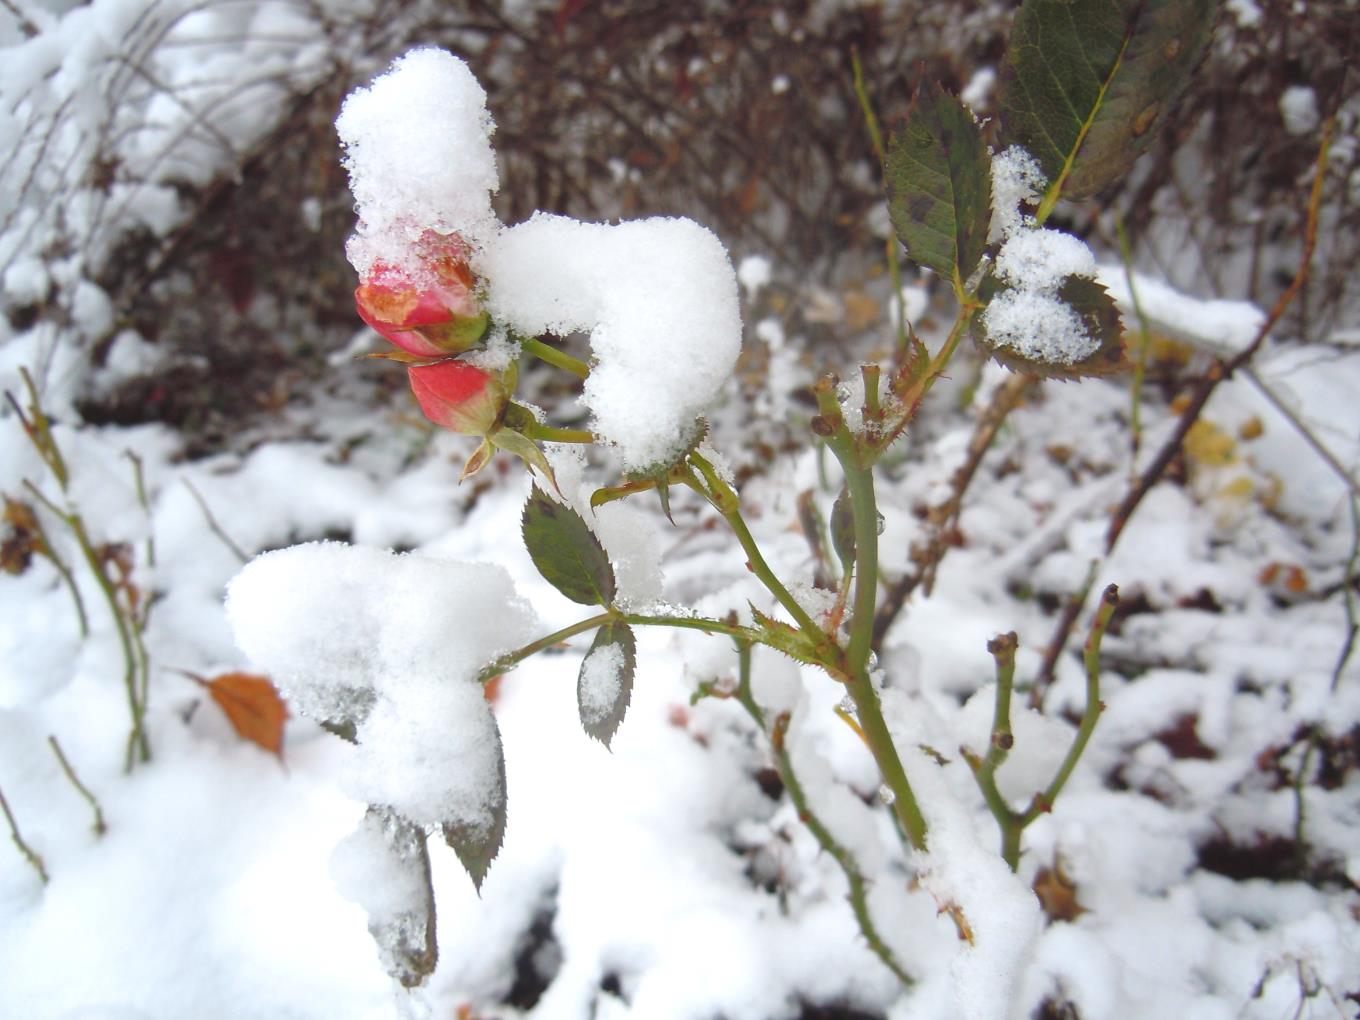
477, 844
605, 684
940, 185
1087, 83
566, 552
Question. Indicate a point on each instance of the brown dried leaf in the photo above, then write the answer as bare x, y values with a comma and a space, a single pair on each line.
252, 706
1057, 894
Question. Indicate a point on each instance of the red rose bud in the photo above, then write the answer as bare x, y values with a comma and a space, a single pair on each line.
459, 396
432, 313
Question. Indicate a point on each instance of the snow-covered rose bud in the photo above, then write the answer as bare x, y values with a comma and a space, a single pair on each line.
459, 396
431, 311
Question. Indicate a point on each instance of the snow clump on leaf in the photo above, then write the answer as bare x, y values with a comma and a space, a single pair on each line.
392, 644
659, 299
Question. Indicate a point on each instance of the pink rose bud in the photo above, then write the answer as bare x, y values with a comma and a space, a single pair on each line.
459, 396
431, 312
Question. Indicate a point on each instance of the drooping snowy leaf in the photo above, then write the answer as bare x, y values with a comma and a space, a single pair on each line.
605, 684
940, 185
384, 866
477, 842
566, 552
1087, 83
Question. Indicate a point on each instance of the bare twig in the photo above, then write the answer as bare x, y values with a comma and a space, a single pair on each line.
1221, 369
1054, 649
99, 827
29, 853
213, 526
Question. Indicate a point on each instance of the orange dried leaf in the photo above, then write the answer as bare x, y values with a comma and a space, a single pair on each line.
253, 707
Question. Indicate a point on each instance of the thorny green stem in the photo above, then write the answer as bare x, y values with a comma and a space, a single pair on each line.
854, 878
554, 356
28, 852
99, 827
1109, 601
702, 623
725, 500
510, 660
1002, 648
859, 480
916, 392
1013, 823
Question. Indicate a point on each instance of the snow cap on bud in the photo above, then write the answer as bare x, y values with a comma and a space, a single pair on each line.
430, 311
459, 396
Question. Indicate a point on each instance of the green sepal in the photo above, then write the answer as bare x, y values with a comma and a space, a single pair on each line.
480, 458
525, 449
786, 638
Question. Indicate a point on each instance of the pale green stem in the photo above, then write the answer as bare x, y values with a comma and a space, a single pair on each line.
859, 480
510, 660
552, 434
1043, 802
692, 623
554, 356
1002, 739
